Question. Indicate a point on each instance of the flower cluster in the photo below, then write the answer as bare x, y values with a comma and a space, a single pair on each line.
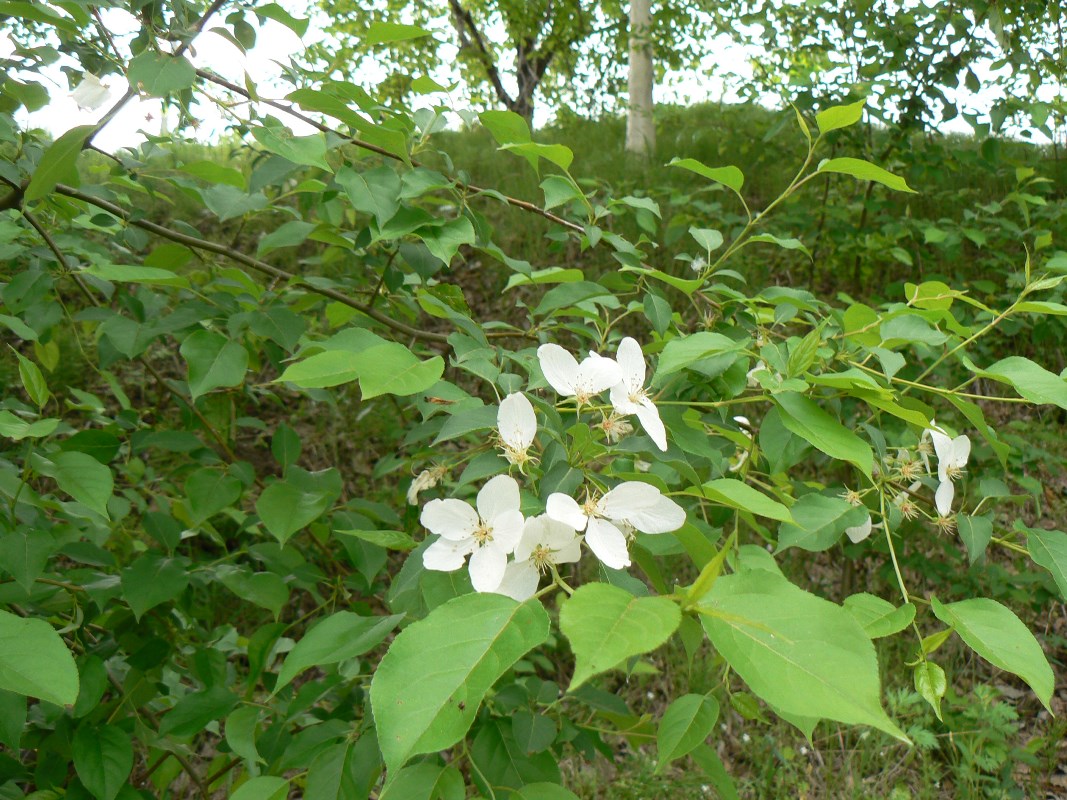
506, 552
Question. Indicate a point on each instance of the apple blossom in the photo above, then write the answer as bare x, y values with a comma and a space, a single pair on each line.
629, 395
952, 455
545, 542
571, 379
517, 425
487, 535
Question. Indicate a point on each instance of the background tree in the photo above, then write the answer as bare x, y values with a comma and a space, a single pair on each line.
640, 125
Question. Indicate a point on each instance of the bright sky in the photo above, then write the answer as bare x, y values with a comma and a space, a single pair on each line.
276, 44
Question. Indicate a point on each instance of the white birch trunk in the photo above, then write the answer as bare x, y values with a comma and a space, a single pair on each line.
640, 129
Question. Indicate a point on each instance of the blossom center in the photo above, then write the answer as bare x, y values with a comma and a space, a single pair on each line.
483, 534
589, 507
542, 557
953, 471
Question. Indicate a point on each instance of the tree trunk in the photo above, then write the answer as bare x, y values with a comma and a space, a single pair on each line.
640, 128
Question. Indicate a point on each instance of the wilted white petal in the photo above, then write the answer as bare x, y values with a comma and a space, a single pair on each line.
445, 555
498, 496
452, 519
648, 414
487, 568
860, 532
564, 508
520, 581
90, 94
507, 530
516, 422
559, 367
943, 498
608, 543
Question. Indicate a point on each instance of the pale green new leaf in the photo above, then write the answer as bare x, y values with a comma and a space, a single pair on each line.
322, 370
387, 32
800, 653
35, 662
802, 416
429, 685
158, 74
686, 723
730, 177
606, 625
737, 494
335, 638
994, 632
865, 171
82, 477
877, 616
840, 116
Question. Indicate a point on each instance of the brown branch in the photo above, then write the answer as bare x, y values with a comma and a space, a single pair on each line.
462, 19
253, 263
288, 109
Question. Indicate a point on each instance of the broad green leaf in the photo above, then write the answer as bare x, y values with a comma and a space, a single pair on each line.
125, 273
308, 151
240, 733
840, 116
375, 192
543, 791
549, 275
606, 625
425, 781
228, 202
153, 579
59, 164
558, 154
1049, 550
786, 243
345, 771
994, 632
559, 190
731, 177
820, 522
103, 759
686, 723
507, 127
391, 540
877, 616
931, 684
976, 533
82, 477
290, 234
209, 491
393, 369
801, 654
12, 718
158, 74
285, 446
322, 370
14, 428
686, 285
194, 711
335, 638
457, 653
214, 362
265, 787
287, 506
24, 554
35, 662
445, 240
802, 416
708, 238
22, 330
687, 351
1031, 381
265, 589
733, 493
33, 380
865, 171
387, 32
534, 733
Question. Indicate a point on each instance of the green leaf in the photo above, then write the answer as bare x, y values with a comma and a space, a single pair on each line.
454, 671
865, 171
930, 683
686, 723
708, 238
241, 733
976, 533
877, 616
606, 625
32, 380
1049, 550
997, 635
336, 638
59, 164
687, 351
322, 370
82, 477
265, 589
290, 234
1031, 381
557, 154
737, 494
227, 202
265, 787
507, 127
209, 491
392, 369
309, 151
345, 771
193, 712
375, 192
160, 74
35, 662
17, 429
125, 273
840, 116
24, 554
730, 177
445, 240
278, 14
542, 791
387, 32
153, 579
214, 362
12, 719
425, 781
287, 506
820, 522
802, 416
559, 190
390, 540
803, 655
103, 759
786, 243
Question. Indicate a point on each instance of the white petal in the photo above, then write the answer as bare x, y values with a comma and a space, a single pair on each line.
90, 94
620, 399
943, 498
596, 373
942, 444
452, 519
961, 450
859, 532
570, 552
559, 367
627, 499
557, 535
499, 496
507, 530
565, 508
520, 581
653, 425
632, 363
666, 515
516, 421
487, 568
446, 556
607, 543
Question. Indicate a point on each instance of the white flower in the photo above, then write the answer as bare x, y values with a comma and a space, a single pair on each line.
90, 94
571, 379
545, 543
952, 455
698, 264
487, 535
857, 533
517, 425
629, 395
606, 521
